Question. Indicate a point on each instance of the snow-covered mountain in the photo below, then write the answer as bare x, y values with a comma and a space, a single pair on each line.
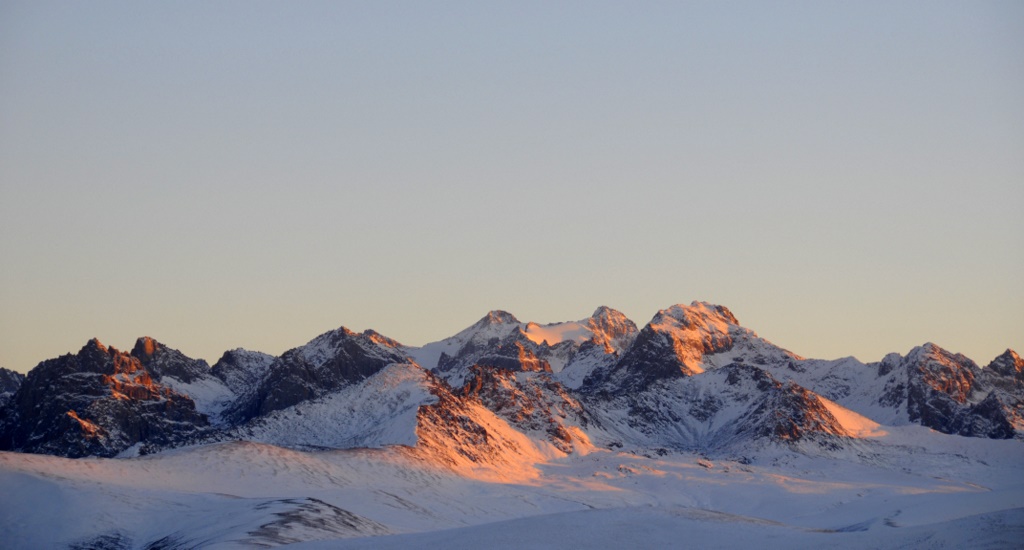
240, 369
693, 378
327, 363
1003, 380
570, 350
685, 341
729, 409
929, 386
379, 411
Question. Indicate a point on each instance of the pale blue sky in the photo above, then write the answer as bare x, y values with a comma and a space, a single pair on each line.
847, 177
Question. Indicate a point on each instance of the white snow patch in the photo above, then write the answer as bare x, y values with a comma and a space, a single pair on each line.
855, 424
210, 395
556, 333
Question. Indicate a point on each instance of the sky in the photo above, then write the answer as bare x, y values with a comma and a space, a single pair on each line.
846, 177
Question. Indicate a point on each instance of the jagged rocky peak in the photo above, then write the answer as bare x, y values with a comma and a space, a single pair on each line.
162, 361
493, 335
95, 347
947, 392
343, 341
242, 356
613, 324
10, 381
497, 317
381, 340
241, 369
687, 340
696, 330
889, 363
97, 357
931, 350
496, 324
1007, 364
125, 374
1002, 383
950, 373
329, 362
98, 402
605, 314
698, 315
942, 370
146, 347
691, 332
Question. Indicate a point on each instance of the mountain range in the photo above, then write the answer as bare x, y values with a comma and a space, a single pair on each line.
503, 392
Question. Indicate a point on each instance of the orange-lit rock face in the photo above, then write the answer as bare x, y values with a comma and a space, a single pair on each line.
530, 362
945, 375
1018, 365
611, 326
1017, 362
1008, 364
381, 340
130, 380
149, 345
89, 429
688, 355
695, 331
447, 430
535, 404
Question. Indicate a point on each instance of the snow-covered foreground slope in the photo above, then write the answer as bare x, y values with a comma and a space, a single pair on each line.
670, 527
907, 487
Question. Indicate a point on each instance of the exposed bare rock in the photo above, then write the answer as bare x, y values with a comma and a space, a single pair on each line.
98, 402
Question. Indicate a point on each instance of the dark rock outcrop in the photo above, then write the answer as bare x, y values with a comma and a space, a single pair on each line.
10, 381
161, 361
1003, 378
98, 402
951, 394
1006, 371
